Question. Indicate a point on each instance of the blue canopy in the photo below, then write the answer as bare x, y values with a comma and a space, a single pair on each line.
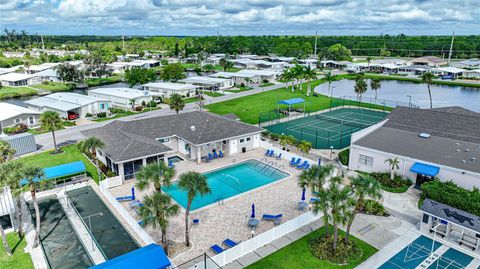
291, 101
148, 257
425, 169
59, 171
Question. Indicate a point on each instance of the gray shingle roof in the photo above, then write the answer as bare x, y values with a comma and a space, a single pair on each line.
436, 122
451, 214
140, 135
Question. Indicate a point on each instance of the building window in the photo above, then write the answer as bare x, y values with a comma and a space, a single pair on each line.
365, 160
31, 120
242, 140
6, 222
163, 140
18, 120
102, 106
249, 139
100, 153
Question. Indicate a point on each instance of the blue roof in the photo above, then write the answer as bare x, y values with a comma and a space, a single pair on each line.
425, 169
291, 101
59, 171
148, 257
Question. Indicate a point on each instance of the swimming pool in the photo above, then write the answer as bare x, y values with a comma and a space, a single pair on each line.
412, 255
174, 159
61, 245
111, 236
228, 182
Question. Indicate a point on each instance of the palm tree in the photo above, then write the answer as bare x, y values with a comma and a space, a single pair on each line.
132, 103
156, 210
375, 85
9, 177
360, 88
304, 146
6, 151
287, 74
194, 184
362, 186
393, 163
427, 77
369, 59
223, 63
176, 102
298, 72
329, 78
322, 205
340, 203
27, 65
31, 175
157, 174
228, 66
51, 121
91, 145
309, 75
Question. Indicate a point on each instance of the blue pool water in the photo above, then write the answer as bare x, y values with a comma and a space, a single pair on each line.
451, 259
229, 181
413, 255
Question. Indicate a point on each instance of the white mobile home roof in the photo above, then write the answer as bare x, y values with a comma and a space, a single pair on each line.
10, 111
257, 72
123, 92
449, 69
231, 75
16, 76
63, 101
170, 86
203, 80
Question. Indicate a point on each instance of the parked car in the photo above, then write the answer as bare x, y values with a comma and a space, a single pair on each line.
72, 115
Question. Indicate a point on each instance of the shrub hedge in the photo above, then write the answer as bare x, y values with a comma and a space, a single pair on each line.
343, 156
451, 194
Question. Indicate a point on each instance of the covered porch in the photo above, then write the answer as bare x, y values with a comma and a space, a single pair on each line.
425, 172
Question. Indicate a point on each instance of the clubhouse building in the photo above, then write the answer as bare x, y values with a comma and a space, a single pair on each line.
193, 135
441, 143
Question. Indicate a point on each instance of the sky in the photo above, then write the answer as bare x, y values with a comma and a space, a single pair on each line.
242, 17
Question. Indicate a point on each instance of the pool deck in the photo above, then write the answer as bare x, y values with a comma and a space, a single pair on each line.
228, 219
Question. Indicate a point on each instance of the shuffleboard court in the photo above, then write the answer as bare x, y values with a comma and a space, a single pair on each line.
329, 129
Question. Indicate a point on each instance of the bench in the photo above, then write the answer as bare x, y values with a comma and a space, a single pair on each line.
468, 241
441, 230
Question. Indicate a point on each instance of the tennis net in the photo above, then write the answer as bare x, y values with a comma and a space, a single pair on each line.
344, 122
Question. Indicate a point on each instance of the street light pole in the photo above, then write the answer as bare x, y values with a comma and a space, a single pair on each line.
331, 151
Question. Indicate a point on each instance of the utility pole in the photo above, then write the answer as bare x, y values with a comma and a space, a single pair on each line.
43, 44
451, 47
315, 48
123, 43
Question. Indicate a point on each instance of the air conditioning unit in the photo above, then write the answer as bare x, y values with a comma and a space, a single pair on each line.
424, 135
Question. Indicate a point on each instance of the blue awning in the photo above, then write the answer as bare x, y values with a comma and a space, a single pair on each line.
58, 171
425, 169
291, 101
148, 257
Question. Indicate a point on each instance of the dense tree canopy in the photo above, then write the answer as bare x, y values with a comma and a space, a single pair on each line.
138, 76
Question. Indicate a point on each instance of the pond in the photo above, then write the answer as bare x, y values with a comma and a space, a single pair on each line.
394, 90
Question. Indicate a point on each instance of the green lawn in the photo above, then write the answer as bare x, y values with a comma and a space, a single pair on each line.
11, 92
267, 84
118, 115
213, 94
249, 107
40, 131
55, 86
190, 100
298, 256
19, 259
103, 81
239, 89
232, 69
70, 154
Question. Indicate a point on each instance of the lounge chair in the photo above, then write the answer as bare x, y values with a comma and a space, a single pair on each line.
297, 162
279, 156
125, 198
306, 167
170, 164
271, 153
229, 243
314, 199
215, 155
195, 221
276, 218
300, 166
220, 154
217, 249
267, 153
141, 222
210, 157
292, 161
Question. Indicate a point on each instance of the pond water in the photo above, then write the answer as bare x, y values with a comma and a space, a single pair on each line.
394, 90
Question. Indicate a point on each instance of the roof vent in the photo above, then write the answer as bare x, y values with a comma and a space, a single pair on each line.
458, 144
193, 128
464, 161
424, 135
473, 159
458, 150
467, 150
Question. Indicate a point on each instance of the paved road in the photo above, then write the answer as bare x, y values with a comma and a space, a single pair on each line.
72, 135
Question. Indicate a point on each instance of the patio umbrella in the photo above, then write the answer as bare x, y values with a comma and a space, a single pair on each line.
303, 194
319, 161
253, 211
133, 193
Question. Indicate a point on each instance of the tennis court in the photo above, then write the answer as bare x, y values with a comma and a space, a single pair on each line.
329, 129
412, 255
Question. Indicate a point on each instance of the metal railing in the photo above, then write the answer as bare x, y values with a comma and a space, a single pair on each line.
200, 262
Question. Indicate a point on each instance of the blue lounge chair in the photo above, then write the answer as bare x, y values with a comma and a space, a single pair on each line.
220, 154
170, 164
229, 243
210, 157
276, 218
215, 155
279, 156
217, 249
141, 222
306, 167
125, 198
300, 166
271, 153
297, 162
292, 161
314, 199
195, 221
267, 153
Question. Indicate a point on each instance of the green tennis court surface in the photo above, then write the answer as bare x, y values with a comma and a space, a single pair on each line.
329, 129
